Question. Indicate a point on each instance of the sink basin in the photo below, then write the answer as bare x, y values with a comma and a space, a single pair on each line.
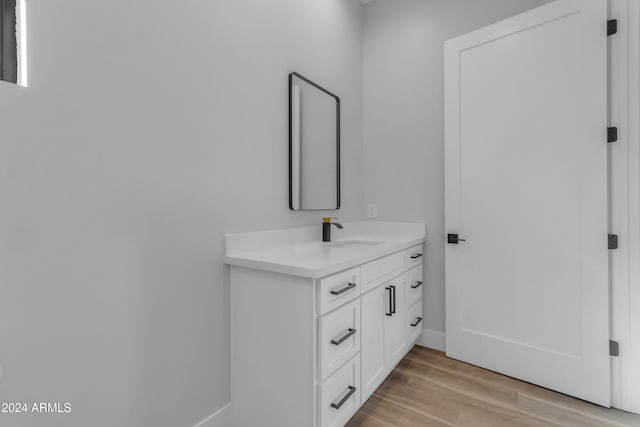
316, 248
352, 244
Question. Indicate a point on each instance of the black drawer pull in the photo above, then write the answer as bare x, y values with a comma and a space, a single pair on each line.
417, 322
343, 338
416, 256
417, 285
343, 290
346, 397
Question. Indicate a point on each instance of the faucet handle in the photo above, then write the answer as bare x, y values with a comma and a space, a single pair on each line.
328, 219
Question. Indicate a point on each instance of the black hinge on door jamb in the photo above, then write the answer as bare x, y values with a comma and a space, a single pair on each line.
612, 134
613, 241
614, 348
612, 27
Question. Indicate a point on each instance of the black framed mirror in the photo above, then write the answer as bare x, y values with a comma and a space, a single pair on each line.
314, 146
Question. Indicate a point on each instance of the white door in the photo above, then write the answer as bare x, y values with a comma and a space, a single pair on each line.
526, 187
372, 345
394, 336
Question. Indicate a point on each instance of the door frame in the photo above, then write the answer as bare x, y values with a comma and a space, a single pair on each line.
624, 48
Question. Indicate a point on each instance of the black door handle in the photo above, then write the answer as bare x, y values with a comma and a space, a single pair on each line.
454, 239
390, 313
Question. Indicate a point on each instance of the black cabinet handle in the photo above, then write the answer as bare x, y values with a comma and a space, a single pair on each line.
390, 313
344, 337
417, 285
345, 289
346, 397
416, 256
393, 288
417, 322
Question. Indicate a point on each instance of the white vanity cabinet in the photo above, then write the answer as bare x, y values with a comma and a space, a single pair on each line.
309, 351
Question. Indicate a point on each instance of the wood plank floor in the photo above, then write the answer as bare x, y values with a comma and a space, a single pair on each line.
429, 389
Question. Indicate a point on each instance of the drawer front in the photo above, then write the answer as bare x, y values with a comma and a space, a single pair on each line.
339, 338
413, 321
415, 286
338, 289
375, 272
339, 396
415, 255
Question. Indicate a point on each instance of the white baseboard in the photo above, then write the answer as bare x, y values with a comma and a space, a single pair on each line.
223, 417
432, 339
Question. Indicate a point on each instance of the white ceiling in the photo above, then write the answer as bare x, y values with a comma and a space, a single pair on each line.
366, 1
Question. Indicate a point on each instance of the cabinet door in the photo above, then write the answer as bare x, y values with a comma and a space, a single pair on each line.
372, 345
394, 333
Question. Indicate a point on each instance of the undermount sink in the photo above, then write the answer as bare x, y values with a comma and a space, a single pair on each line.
352, 243
321, 247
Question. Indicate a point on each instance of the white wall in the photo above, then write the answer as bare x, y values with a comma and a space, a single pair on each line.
403, 115
150, 129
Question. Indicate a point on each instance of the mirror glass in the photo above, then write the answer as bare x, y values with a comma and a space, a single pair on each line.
12, 42
314, 146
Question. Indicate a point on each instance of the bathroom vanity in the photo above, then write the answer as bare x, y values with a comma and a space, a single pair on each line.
317, 326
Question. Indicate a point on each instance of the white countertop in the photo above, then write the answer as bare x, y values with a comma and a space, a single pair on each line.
300, 251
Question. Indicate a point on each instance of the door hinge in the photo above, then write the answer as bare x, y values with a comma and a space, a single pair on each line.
613, 241
612, 27
612, 134
614, 348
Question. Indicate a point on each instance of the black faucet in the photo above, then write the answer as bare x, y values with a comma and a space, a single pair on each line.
326, 228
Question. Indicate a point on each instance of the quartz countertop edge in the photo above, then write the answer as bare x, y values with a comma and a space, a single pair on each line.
278, 264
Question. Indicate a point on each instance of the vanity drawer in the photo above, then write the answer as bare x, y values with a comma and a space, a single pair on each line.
414, 326
415, 285
377, 271
338, 338
415, 255
339, 396
338, 289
